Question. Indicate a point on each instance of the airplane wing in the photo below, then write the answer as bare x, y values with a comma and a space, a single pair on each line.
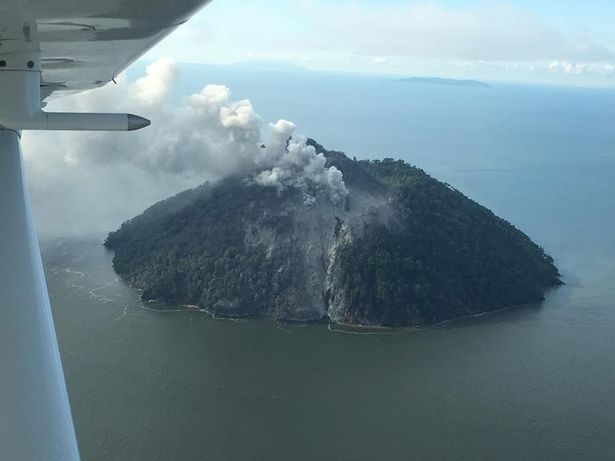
85, 43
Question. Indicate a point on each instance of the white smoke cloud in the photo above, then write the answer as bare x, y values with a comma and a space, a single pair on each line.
153, 89
291, 162
91, 182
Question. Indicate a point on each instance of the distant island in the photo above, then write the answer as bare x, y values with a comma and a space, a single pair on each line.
445, 82
401, 249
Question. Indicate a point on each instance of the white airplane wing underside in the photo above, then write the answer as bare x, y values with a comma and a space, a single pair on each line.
85, 43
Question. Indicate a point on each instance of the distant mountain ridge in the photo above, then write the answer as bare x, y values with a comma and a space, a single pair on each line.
268, 66
404, 249
445, 82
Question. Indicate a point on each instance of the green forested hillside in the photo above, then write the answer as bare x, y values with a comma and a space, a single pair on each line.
238, 249
453, 257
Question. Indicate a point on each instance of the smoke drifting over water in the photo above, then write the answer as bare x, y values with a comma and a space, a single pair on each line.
91, 182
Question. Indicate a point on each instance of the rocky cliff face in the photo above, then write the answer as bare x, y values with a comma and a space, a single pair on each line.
400, 248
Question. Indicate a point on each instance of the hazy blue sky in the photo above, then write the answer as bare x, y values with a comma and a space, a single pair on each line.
562, 42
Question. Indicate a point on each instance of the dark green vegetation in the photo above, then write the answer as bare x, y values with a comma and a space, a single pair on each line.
453, 257
191, 249
404, 249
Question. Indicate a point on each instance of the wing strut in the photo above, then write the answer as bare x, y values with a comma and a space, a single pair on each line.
35, 418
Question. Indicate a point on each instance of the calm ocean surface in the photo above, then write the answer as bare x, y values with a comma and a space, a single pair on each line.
533, 383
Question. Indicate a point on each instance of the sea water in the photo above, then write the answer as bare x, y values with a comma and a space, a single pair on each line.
528, 383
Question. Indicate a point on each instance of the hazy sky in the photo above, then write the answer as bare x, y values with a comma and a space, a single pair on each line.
551, 41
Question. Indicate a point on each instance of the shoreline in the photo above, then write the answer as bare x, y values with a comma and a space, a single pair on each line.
329, 322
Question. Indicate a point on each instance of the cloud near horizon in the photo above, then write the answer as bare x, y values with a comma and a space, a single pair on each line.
488, 32
420, 37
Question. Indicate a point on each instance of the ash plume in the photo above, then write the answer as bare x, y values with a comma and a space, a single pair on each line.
91, 182
290, 162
